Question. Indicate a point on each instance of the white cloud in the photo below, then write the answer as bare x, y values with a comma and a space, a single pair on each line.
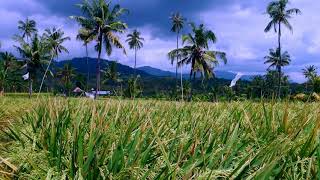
10, 22
239, 29
314, 46
154, 52
26, 7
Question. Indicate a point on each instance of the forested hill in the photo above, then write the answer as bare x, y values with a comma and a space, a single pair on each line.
80, 64
152, 84
218, 74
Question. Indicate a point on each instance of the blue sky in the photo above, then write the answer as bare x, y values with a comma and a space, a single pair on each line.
238, 24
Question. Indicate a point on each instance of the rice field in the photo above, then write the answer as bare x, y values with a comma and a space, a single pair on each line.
56, 138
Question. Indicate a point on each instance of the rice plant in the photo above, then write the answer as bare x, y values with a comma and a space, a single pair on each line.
140, 139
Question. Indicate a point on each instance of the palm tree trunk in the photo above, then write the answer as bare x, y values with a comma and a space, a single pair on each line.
280, 56
88, 68
2, 85
98, 74
181, 82
191, 85
2, 91
30, 87
135, 60
177, 59
45, 74
279, 80
306, 87
100, 41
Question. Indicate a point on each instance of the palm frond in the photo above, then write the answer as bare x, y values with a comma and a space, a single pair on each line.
293, 11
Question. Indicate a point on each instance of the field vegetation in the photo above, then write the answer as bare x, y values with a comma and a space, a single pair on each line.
59, 138
266, 128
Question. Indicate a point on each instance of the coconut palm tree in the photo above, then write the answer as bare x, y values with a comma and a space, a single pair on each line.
111, 74
280, 15
277, 61
6, 64
66, 74
54, 40
310, 72
27, 28
103, 23
84, 36
196, 52
8, 60
135, 42
35, 55
177, 22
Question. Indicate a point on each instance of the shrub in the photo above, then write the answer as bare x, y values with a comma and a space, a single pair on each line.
316, 85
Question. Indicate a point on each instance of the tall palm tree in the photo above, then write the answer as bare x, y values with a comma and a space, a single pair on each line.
177, 22
278, 61
196, 52
66, 74
54, 40
6, 64
84, 36
103, 23
280, 15
35, 55
28, 28
135, 42
310, 72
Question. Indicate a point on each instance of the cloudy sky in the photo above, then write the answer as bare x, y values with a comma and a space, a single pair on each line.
238, 24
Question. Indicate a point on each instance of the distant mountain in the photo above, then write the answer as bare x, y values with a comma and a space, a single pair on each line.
157, 72
81, 66
154, 81
162, 73
225, 75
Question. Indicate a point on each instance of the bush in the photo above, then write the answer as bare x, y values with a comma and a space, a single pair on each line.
304, 98
314, 97
300, 97
134, 89
316, 85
